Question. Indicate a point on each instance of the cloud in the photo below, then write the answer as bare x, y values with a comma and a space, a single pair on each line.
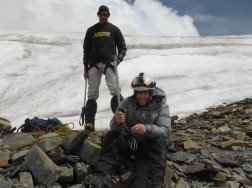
142, 17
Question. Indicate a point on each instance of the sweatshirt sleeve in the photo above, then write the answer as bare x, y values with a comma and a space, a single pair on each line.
113, 125
163, 124
121, 45
86, 49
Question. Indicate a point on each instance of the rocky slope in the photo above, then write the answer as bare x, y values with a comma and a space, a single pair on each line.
211, 149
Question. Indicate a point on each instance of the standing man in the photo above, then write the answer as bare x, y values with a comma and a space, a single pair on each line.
140, 128
103, 44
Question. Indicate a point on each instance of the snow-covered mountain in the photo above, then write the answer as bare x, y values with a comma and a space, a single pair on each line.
41, 73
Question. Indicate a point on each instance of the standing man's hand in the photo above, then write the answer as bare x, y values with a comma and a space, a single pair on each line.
119, 117
139, 129
86, 75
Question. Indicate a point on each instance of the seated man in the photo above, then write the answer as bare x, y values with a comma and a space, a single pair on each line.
139, 128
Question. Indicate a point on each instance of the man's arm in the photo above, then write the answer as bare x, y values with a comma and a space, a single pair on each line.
163, 124
121, 117
86, 50
121, 45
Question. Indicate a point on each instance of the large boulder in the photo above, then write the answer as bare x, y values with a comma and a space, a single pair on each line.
44, 170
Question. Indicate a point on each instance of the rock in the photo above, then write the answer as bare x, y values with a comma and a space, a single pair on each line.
226, 162
56, 185
233, 143
42, 167
66, 174
25, 179
178, 157
81, 171
211, 149
215, 114
190, 145
232, 184
168, 175
212, 163
17, 141
238, 170
77, 186
224, 128
4, 158
238, 177
247, 168
240, 136
49, 143
182, 184
219, 122
221, 177
5, 183
196, 167
249, 176
90, 152
67, 140
19, 155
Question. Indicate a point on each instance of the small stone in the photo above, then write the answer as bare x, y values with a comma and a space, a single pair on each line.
231, 142
66, 174
219, 122
220, 176
168, 176
191, 145
197, 167
226, 162
249, 176
182, 184
77, 186
49, 143
247, 168
214, 113
240, 136
178, 157
19, 155
80, 171
238, 177
4, 158
25, 179
224, 128
232, 184
238, 170
5, 183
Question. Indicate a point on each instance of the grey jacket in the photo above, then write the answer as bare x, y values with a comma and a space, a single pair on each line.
156, 116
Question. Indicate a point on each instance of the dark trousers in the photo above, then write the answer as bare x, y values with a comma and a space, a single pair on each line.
116, 149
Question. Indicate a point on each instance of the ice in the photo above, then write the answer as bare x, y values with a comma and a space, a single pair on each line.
42, 73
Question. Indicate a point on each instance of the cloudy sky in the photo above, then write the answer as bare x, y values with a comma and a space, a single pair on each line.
217, 17
137, 17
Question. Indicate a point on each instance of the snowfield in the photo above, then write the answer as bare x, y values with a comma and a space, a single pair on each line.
41, 73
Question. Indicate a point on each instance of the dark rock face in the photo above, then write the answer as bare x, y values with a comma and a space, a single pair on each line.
220, 143
211, 149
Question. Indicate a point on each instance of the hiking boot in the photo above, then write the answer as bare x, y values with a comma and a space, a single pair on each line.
90, 127
98, 181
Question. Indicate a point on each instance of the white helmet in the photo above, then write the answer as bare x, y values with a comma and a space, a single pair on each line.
143, 82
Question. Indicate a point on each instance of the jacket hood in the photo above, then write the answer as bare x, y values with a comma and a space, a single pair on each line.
159, 98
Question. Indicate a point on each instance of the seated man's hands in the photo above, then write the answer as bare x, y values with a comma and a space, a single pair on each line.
139, 129
119, 117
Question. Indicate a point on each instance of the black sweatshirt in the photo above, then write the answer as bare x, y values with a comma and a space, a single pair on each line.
100, 45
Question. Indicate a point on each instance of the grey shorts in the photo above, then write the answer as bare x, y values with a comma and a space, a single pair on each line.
94, 82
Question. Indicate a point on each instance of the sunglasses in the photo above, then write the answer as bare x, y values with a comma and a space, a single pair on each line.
104, 14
